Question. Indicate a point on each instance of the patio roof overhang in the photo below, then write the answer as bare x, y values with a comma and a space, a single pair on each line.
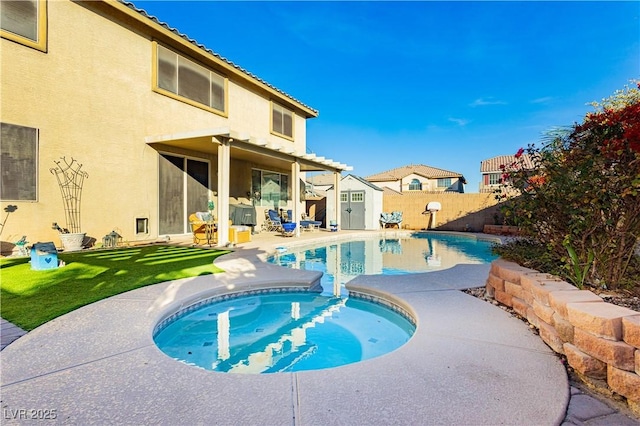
248, 148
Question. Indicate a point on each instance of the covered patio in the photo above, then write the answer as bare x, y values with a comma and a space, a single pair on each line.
241, 160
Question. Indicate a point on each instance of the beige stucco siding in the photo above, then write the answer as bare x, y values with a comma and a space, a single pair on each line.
91, 98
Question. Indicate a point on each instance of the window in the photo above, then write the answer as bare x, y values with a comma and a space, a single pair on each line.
19, 164
281, 121
344, 197
182, 78
415, 185
495, 178
357, 197
25, 22
270, 189
444, 183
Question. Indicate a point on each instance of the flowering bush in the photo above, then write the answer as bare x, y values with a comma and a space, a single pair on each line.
580, 200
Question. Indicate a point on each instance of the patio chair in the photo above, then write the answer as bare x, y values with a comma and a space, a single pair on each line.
201, 228
272, 222
308, 224
390, 219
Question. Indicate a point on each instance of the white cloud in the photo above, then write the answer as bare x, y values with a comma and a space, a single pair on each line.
459, 121
542, 100
485, 102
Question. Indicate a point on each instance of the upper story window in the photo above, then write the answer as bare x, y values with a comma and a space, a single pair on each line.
19, 164
188, 81
495, 178
415, 185
281, 121
25, 22
444, 183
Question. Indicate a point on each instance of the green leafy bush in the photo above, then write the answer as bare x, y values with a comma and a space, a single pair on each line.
580, 200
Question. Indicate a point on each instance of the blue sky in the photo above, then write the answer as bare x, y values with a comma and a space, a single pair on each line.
446, 84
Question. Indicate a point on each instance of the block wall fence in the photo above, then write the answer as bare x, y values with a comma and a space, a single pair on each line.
601, 341
460, 212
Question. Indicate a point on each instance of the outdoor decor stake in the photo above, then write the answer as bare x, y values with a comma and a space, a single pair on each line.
70, 179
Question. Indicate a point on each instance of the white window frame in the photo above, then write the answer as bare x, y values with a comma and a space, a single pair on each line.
495, 178
444, 182
415, 185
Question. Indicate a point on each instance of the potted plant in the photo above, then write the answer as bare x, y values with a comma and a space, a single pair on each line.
70, 180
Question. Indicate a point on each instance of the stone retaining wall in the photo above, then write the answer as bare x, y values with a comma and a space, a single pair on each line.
601, 341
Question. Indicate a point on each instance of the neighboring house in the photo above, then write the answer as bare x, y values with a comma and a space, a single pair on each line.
160, 123
491, 170
418, 177
319, 184
360, 203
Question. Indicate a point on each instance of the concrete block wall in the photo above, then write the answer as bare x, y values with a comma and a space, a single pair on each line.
458, 210
601, 341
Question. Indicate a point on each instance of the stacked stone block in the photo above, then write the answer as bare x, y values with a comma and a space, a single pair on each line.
601, 341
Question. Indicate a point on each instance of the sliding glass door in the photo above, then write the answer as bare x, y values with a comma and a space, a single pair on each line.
183, 188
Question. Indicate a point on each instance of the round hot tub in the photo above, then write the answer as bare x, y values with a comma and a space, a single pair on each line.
283, 330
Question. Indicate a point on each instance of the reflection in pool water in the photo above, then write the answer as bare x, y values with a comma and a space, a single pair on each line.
283, 332
341, 261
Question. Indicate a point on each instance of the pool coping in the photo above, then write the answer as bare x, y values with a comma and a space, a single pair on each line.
468, 362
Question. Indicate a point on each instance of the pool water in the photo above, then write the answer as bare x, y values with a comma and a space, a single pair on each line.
284, 332
418, 252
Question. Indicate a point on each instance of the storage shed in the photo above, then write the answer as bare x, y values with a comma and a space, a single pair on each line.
360, 204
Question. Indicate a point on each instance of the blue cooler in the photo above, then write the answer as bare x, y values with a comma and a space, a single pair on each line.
288, 229
44, 256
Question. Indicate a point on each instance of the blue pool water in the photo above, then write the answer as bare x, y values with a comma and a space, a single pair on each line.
341, 261
284, 332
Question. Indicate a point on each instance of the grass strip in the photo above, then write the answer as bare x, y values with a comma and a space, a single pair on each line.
30, 298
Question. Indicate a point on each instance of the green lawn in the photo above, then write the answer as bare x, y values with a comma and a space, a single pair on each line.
30, 298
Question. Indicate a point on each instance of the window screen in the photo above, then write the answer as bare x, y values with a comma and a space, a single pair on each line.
20, 18
282, 120
19, 151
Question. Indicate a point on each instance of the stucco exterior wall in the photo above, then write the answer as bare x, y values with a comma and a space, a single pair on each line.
91, 98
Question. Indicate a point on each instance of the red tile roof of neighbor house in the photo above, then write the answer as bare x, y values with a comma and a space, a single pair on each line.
493, 164
418, 169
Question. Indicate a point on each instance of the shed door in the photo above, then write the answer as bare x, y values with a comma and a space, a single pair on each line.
352, 210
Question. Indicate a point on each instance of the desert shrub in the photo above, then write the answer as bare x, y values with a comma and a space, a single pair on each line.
580, 200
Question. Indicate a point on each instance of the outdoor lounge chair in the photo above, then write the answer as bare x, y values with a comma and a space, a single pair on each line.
388, 220
272, 222
308, 224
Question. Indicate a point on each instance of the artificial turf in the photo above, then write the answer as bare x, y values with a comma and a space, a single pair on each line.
29, 298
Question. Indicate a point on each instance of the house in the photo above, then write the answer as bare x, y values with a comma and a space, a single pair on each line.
419, 177
491, 170
360, 203
318, 184
160, 124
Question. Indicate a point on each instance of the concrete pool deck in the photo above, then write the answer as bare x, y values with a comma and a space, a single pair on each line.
469, 362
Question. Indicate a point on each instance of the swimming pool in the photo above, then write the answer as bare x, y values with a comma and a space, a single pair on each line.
270, 331
341, 261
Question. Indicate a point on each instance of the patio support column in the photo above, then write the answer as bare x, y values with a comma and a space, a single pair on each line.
295, 189
224, 176
336, 199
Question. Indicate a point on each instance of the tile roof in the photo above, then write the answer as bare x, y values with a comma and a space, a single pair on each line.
320, 179
493, 164
419, 169
201, 46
